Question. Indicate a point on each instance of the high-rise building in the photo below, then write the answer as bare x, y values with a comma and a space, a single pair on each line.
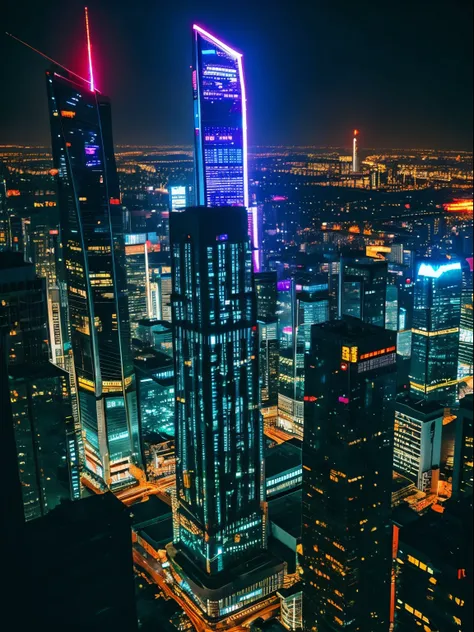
219, 511
434, 572
391, 311
46, 443
350, 391
464, 454
466, 330
155, 380
266, 294
178, 198
311, 308
362, 289
435, 332
417, 442
220, 123
355, 153
23, 310
92, 225
138, 279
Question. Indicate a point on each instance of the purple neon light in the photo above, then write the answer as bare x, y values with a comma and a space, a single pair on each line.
238, 57
284, 286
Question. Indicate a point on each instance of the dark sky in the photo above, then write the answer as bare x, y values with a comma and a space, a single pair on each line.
401, 72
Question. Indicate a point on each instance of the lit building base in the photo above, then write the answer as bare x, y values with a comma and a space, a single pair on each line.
225, 594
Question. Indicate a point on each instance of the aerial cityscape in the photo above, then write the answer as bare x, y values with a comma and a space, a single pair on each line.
236, 372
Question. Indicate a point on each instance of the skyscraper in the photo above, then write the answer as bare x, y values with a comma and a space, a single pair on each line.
138, 279
435, 336
347, 473
220, 123
417, 442
362, 289
219, 514
466, 362
463, 479
92, 220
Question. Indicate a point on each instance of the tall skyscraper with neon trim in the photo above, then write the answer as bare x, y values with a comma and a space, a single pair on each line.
92, 225
220, 123
220, 130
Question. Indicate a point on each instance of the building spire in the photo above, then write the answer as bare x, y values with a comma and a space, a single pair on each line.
89, 50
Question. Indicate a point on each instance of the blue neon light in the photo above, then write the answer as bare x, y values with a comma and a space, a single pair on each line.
428, 270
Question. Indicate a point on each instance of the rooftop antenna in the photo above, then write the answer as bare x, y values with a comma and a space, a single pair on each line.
53, 61
89, 50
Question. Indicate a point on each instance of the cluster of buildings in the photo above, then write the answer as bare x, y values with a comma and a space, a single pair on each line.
279, 400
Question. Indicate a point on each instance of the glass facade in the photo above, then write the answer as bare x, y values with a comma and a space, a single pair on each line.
435, 331
92, 225
220, 123
362, 287
219, 514
350, 390
45, 437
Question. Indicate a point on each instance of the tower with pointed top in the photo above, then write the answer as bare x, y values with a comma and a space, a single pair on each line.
92, 229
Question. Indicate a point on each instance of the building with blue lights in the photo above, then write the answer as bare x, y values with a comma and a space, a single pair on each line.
92, 225
220, 123
220, 528
435, 331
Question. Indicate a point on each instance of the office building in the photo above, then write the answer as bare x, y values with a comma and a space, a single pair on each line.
417, 441
311, 308
219, 512
435, 331
155, 381
92, 224
178, 198
350, 391
157, 334
46, 442
80, 562
362, 289
466, 322
23, 310
291, 607
434, 572
268, 344
391, 308
220, 123
138, 279
266, 293
463, 446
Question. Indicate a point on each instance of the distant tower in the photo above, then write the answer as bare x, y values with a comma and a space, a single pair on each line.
355, 154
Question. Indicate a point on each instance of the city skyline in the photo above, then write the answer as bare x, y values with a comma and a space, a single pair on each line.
332, 58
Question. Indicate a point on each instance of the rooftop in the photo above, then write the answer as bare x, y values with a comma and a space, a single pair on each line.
280, 458
285, 512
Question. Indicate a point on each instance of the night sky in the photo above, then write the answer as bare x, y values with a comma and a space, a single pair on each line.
401, 72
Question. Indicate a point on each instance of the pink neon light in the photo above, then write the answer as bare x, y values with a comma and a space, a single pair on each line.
89, 50
238, 57
344, 400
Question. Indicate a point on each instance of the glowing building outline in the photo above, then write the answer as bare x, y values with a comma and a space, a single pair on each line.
201, 183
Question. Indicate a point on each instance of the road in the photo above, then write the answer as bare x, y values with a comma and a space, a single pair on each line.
135, 494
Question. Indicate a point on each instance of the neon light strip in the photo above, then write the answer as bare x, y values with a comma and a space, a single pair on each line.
89, 50
238, 57
256, 252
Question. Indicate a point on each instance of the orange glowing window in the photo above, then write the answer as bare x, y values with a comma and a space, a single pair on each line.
13, 192
68, 114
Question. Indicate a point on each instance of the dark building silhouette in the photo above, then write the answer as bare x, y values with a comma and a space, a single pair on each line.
362, 289
350, 389
79, 560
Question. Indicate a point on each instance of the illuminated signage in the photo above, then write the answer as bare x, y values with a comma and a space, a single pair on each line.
379, 352
68, 114
177, 198
13, 192
349, 354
